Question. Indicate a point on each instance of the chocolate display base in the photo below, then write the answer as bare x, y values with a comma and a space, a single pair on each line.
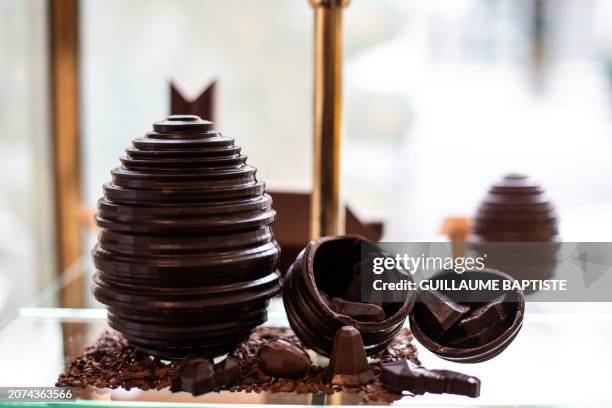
113, 363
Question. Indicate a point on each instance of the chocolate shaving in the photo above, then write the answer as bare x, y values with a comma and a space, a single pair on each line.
112, 363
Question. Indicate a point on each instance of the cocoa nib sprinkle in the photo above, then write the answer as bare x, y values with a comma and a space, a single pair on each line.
112, 363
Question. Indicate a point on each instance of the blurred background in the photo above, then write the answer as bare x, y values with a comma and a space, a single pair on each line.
441, 98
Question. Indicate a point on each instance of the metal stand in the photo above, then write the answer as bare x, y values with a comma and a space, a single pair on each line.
326, 215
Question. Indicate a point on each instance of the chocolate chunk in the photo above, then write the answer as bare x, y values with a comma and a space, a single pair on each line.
113, 363
482, 317
480, 334
348, 364
355, 292
396, 376
403, 375
282, 359
485, 335
362, 312
443, 312
195, 375
227, 372
460, 384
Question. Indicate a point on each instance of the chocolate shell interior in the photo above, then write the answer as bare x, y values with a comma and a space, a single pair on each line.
499, 333
186, 259
326, 268
335, 271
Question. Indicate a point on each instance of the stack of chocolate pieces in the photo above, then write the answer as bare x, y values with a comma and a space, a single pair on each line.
516, 226
186, 260
475, 326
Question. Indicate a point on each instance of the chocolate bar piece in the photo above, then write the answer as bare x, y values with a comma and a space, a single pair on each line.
195, 375
227, 372
362, 312
460, 384
348, 364
403, 375
282, 359
478, 319
443, 312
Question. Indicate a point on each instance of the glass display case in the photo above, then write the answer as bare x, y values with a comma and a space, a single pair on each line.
560, 357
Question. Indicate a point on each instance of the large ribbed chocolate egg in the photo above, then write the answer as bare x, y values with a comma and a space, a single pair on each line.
186, 259
516, 226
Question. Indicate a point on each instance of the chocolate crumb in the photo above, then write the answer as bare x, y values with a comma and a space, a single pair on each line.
112, 362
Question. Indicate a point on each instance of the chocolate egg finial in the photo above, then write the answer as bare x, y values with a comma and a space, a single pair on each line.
186, 260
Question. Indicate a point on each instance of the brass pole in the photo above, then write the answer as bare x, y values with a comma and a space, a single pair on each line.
326, 217
64, 65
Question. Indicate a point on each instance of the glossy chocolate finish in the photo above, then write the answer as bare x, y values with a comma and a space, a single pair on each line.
186, 259
404, 375
326, 265
282, 359
495, 342
515, 210
517, 227
348, 364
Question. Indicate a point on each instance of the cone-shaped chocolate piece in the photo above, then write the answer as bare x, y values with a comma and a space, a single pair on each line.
186, 258
227, 372
348, 364
517, 227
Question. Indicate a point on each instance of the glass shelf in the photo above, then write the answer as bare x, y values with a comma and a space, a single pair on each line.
559, 358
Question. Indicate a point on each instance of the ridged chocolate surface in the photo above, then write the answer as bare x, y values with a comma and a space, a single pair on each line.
516, 210
516, 226
327, 263
186, 259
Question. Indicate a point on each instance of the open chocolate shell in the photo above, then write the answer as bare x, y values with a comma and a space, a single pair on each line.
504, 332
325, 268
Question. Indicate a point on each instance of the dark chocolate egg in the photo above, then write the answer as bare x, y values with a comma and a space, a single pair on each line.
516, 227
329, 267
186, 259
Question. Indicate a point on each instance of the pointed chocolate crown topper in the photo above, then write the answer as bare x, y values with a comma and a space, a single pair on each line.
186, 260
203, 106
